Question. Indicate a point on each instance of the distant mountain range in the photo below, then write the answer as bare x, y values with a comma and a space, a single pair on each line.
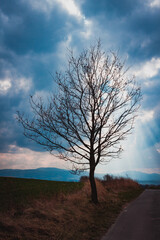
56, 174
143, 178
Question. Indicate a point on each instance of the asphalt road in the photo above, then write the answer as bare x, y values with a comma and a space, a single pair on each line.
140, 220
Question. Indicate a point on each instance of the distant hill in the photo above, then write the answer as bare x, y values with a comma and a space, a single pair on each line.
143, 178
56, 174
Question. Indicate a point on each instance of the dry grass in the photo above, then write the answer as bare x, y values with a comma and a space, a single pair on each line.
120, 184
69, 216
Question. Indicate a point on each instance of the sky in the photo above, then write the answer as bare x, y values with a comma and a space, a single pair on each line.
34, 38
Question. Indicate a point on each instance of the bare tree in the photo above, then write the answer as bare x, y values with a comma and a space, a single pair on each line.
93, 111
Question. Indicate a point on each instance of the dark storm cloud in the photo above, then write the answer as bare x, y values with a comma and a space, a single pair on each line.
133, 26
10, 131
151, 92
29, 40
146, 26
24, 29
27, 37
110, 8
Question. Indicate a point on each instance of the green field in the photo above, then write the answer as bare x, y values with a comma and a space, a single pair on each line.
17, 192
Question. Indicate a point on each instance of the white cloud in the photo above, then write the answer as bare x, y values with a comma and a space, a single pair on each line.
43, 94
154, 3
4, 131
23, 84
87, 32
157, 146
146, 42
61, 49
71, 7
46, 6
148, 69
41, 5
15, 86
4, 18
5, 85
12, 84
146, 116
148, 170
24, 158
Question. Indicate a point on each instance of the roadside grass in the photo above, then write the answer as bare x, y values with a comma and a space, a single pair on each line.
62, 211
152, 186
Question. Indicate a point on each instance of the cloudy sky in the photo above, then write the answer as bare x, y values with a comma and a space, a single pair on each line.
34, 37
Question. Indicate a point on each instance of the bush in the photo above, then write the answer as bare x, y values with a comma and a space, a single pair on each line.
108, 178
84, 179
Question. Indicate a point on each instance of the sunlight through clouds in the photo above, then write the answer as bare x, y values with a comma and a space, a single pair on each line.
154, 3
136, 156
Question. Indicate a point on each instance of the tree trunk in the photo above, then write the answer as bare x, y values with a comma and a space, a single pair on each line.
93, 186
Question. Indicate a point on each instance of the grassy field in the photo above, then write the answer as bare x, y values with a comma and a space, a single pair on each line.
17, 192
47, 210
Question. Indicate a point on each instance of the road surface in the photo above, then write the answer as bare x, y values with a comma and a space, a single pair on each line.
140, 220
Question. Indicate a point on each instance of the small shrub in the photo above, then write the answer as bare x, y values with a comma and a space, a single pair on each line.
84, 179
108, 178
